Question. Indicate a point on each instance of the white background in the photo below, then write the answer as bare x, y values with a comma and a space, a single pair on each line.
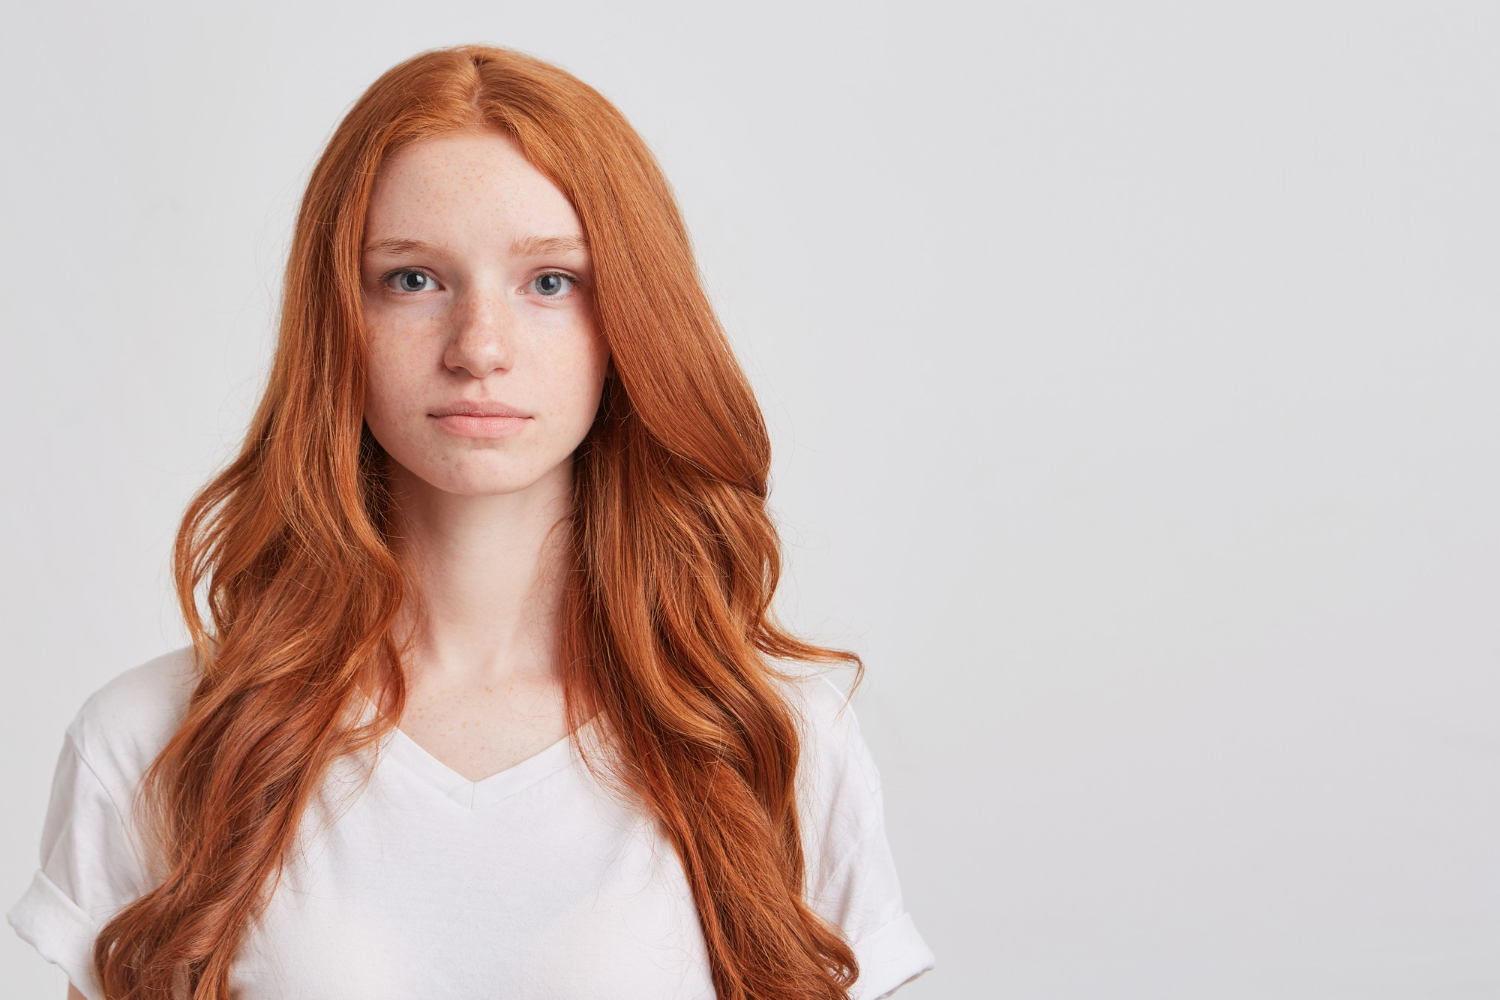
1134, 383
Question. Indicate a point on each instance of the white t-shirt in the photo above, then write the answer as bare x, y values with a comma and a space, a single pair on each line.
536, 882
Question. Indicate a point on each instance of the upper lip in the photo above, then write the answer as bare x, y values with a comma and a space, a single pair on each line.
478, 409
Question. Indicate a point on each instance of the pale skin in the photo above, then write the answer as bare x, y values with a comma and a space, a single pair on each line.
470, 316
460, 313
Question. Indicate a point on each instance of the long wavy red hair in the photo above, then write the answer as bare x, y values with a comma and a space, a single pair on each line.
668, 629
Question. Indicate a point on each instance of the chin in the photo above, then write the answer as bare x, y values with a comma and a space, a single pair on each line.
474, 482
482, 487
483, 471
493, 474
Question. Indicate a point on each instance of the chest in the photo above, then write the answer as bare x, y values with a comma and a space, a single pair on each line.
480, 731
541, 886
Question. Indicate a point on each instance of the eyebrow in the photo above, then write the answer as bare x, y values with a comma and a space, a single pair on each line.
521, 246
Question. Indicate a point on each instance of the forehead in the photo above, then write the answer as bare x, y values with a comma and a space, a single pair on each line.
470, 183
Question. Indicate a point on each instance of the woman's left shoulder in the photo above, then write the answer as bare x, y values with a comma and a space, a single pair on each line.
823, 708
850, 875
839, 786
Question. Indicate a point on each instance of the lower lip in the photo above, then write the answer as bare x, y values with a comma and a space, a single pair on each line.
465, 425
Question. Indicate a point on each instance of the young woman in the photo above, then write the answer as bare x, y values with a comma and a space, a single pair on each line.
490, 701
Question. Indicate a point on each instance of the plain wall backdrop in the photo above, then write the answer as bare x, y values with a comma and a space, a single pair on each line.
1134, 381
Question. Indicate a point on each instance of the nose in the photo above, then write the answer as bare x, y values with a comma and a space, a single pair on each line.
482, 337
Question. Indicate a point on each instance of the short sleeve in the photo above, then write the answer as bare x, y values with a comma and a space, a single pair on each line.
89, 869
851, 874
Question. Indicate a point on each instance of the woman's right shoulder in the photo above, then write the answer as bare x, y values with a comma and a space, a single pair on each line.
122, 725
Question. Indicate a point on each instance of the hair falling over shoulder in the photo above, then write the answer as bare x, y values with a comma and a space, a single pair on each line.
668, 628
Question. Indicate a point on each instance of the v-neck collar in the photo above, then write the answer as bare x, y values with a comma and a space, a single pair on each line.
401, 748
473, 794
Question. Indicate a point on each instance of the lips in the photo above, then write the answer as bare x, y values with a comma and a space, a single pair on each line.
464, 408
482, 421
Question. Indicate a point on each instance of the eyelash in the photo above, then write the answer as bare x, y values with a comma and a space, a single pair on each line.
387, 276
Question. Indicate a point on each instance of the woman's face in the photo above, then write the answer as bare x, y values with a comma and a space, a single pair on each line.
475, 284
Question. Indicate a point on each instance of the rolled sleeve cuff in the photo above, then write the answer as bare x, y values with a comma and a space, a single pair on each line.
59, 930
890, 957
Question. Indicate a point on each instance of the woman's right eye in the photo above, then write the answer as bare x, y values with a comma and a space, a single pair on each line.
408, 281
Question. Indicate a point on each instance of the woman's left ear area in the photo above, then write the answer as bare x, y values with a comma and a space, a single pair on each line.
609, 368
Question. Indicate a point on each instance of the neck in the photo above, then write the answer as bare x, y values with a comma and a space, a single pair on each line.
490, 569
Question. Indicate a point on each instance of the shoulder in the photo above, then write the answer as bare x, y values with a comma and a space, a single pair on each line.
122, 725
92, 859
850, 876
831, 741
838, 783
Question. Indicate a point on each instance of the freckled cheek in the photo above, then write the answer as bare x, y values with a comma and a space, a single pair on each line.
572, 365
391, 383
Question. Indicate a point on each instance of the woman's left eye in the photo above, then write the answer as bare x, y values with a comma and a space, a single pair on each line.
551, 280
